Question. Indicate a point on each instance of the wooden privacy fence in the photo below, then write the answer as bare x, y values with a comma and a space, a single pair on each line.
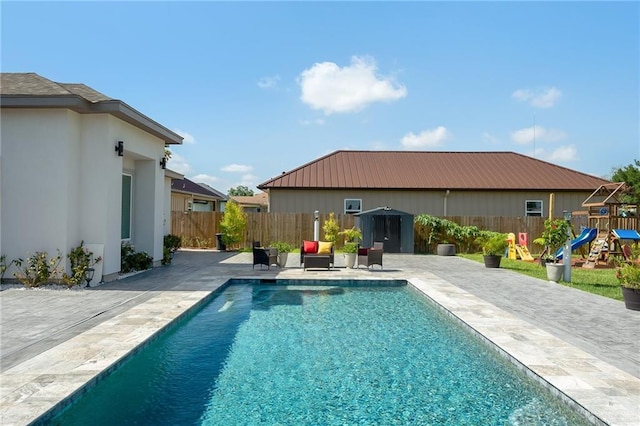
199, 229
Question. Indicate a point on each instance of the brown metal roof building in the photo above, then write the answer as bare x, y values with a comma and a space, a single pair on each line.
437, 183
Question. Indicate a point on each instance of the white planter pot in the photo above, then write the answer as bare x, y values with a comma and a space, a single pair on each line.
555, 271
282, 259
350, 259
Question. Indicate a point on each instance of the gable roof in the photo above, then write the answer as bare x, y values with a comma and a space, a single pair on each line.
189, 187
30, 90
425, 170
260, 199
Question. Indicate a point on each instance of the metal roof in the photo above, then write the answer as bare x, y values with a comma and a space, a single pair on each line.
440, 170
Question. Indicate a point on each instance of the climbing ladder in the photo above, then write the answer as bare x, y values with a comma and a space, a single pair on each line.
597, 248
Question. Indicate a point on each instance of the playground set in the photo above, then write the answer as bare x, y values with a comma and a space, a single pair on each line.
611, 226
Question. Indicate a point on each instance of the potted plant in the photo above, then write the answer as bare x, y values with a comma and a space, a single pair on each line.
283, 252
441, 232
350, 249
555, 234
493, 246
628, 275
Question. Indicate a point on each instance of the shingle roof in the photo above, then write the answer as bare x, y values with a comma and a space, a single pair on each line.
188, 186
260, 199
433, 170
32, 84
30, 90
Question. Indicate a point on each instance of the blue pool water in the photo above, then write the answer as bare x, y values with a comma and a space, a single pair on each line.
317, 355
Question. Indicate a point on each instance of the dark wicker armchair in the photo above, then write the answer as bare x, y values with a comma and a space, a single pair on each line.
371, 256
264, 256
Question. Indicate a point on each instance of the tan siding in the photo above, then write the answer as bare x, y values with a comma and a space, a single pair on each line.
179, 202
459, 203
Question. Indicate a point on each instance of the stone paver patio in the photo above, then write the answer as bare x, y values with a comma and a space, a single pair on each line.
584, 347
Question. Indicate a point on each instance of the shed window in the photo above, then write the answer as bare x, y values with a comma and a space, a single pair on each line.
352, 205
533, 208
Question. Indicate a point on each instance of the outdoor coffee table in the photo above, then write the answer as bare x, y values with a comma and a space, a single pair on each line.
316, 261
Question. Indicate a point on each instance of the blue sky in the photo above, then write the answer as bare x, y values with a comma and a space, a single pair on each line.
258, 88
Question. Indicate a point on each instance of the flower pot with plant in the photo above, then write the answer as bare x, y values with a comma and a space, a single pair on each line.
628, 275
283, 252
350, 249
493, 246
555, 234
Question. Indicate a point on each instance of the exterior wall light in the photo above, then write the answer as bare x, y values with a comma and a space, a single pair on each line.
163, 163
120, 148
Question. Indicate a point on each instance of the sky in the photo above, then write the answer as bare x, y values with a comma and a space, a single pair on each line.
259, 88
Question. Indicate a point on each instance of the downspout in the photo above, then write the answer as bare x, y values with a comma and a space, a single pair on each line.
446, 195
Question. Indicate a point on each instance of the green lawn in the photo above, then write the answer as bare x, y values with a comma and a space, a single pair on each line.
597, 281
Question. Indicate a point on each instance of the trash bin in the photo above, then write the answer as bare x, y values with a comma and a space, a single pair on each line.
219, 243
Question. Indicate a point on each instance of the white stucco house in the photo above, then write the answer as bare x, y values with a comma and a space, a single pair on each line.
76, 165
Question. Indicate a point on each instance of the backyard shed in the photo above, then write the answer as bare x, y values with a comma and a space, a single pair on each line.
393, 227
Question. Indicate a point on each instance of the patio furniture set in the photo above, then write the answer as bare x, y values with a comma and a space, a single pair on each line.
317, 254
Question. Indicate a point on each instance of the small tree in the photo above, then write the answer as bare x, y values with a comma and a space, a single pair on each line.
233, 223
331, 228
631, 176
240, 190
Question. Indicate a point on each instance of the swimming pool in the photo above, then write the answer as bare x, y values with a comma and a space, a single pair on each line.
317, 353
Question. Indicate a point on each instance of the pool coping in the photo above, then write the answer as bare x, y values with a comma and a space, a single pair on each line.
37, 389
601, 393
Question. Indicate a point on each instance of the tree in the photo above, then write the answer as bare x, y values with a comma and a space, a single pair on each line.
240, 190
631, 175
331, 228
233, 223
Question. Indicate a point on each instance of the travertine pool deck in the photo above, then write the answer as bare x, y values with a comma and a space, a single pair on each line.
583, 346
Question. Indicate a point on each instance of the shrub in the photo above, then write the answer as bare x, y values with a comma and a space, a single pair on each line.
233, 223
493, 243
352, 235
38, 269
282, 247
439, 231
130, 260
171, 244
628, 273
81, 259
555, 234
331, 228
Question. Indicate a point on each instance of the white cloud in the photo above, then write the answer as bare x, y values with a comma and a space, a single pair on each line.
249, 180
179, 164
237, 168
268, 82
563, 154
544, 98
208, 179
327, 87
528, 134
489, 138
188, 138
426, 138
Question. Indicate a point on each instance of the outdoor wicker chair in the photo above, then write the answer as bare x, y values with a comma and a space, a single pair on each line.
371, 256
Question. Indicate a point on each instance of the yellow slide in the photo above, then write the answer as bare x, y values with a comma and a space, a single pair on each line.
523, 252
